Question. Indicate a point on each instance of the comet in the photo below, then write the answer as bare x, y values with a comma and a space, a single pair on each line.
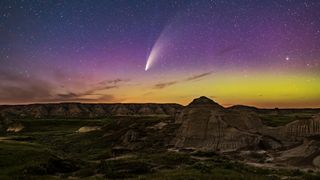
160, 46
164, 45
155, 53
153, 56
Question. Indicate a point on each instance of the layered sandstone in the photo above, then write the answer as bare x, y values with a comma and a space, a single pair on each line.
295, 131
206, 125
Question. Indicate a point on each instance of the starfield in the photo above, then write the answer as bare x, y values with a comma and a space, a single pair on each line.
159, 89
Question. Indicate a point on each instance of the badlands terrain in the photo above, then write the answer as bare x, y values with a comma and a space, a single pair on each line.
202, 140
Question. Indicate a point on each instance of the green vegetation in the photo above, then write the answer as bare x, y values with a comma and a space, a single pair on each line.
217, 173
52, 149
20, 159
17, 155
275, 120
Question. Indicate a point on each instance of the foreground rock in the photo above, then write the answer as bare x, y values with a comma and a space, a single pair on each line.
295, 132
206, 125
86, 129
17, 127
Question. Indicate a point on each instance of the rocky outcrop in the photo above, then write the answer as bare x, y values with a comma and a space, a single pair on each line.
5, 121
129, 137
17, 127
206, 125
303, 128
294, 132
86, 129
307, 154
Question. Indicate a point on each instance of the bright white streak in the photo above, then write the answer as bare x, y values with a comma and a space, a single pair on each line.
152, 57
167, 40
157, 50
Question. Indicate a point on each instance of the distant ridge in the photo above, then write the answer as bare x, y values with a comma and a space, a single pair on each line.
79, 110
95, 110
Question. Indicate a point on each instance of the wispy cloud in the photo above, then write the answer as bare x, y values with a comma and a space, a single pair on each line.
163, 85
16, 88
113, 81
199, 76
93, 92
72, 97
69, 95
107, 84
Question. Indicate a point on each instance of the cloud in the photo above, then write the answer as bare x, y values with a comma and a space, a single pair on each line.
164, 85
191, 78
69, 95
109, 87
198, 76
105, 85
114, 81
92, 94
73, 97
107, 97
108, 84
16, 88
23, 93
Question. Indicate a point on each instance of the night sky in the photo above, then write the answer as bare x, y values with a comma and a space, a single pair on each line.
264, 53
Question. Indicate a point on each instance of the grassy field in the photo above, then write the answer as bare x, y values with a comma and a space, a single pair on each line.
52, 149
275, 120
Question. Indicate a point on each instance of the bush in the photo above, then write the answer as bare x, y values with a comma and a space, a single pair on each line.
171, 159
85, 173
53, 166
204, 153
202, 167
123, 168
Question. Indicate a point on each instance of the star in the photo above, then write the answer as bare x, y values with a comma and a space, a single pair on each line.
287, 58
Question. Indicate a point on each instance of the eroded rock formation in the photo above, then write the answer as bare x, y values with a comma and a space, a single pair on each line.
206, 125
78, 110
202, 125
